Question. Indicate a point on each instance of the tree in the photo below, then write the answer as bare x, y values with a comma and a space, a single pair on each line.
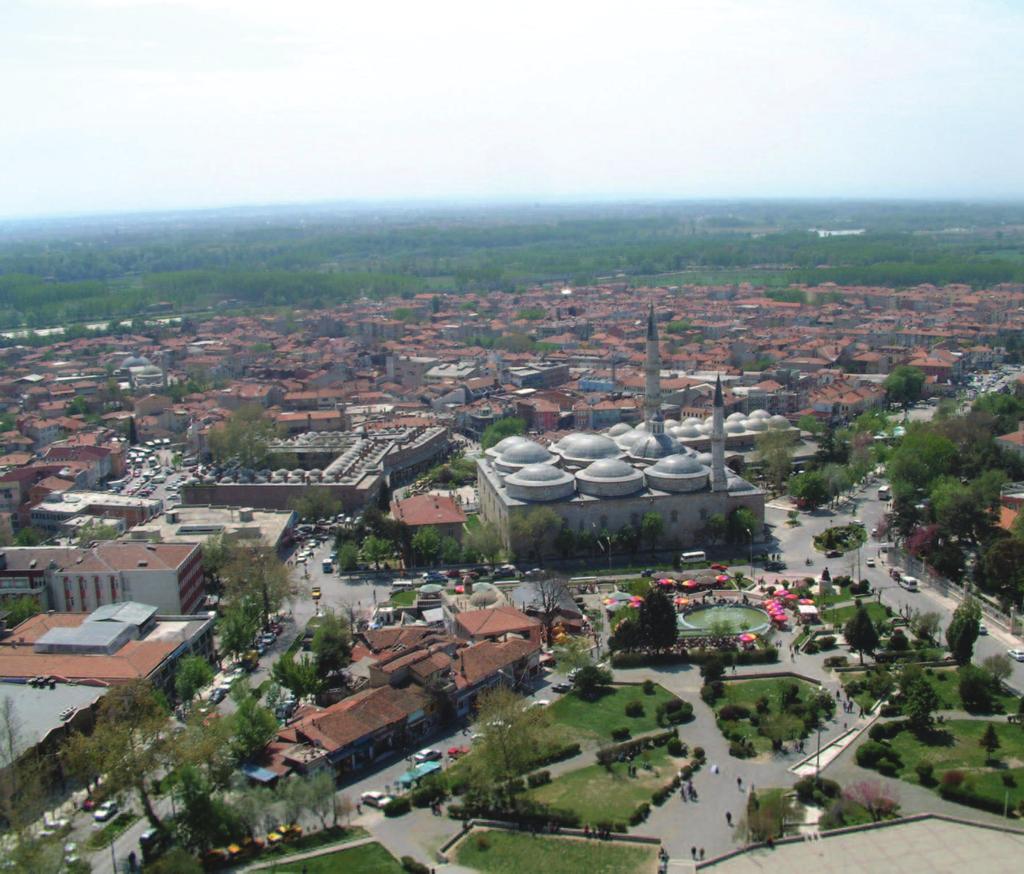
375, 550
193, 673
451, 550
658, 623
989, 741
245, 437
652, 527
320, 796
589, 679
926, 625
565, 541
255, 572
998, 667
29, 537
254, 726
485, 540
216, 556
551, 595
874, 797
348, 556
21, 609
919, 701
426, 544
743, 525
860, 633
512, 739
498, 431
127, 745
298, 676
204, 818
176, 860
963, 630
238, 627
1003, 567
809, 489
96, 531
903, 385
775, 455
716, 528
332, 645
810, 424
316, 502
533, 533
780, 727
975, 687
574, 653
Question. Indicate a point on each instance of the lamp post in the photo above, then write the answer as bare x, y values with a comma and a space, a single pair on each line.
817, 756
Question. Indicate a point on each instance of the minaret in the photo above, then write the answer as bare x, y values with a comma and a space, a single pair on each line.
718, 479
652, 371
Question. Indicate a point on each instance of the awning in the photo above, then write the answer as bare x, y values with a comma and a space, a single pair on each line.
807, 609
418, 773
260, 775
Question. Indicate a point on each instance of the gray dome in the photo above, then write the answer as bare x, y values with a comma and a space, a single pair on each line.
538, 473
526, 452
734, 427
756, 424
676, 465
484, 597
735, 417
505, 444
691, 421
135, 361
671, 423
759, 414
779, 422
688, 432
585, 447
628, 438
609, 468
704, 458
651, 446
618, 429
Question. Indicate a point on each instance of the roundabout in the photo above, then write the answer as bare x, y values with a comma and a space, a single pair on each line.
741, 618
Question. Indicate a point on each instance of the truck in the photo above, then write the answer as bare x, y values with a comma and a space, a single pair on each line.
328, 566
884, 493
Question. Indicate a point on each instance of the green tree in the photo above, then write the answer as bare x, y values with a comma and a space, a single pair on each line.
299, 676
963, 630
255, 572
565, 541
375, 550
652, 527
716, 528
658, 625
316, 502
501, 429
217, 556
204, 818
810, 424
254, 726
237, 628
484, 540
903, 385
533, 533
332, 645
919, 702
989, 741
245, 437
1003, 567
775, 455
21, 609
590, 679
127, 745
451, 550
348, 556
29, 537
809, 489
193, 673
96, 531
780, 727
426, 544
742, 525
860, 633
975, 687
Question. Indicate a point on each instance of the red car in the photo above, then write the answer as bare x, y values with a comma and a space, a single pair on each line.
719, 567
455, 752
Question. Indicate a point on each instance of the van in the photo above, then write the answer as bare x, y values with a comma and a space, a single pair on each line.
328, 566
403, 585
693, 557
909, 583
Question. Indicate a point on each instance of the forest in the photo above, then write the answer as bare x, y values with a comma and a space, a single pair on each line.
74, 270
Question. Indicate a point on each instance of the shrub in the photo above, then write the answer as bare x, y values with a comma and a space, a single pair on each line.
711, 692
675, 747
698, 754
836, 662
635, 709
870, 754
538, 779
733, 712
826, 642
648, 687
925, 773
1009, 781
742, 748
808, 790
686, 772
398, 806
962, 793
609, 825
413, 867
811, 647
885, 730
642, 811
953, 778
661, 795
621, 733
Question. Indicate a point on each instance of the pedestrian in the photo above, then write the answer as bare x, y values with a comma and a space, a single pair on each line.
728, 818
359, 809
702, 854
693, 852
739, 783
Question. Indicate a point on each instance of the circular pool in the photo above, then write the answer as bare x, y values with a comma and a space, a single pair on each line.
739, 617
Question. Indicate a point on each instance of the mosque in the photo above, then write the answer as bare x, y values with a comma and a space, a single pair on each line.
605, 481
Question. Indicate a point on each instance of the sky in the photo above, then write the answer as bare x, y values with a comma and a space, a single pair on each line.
113, 105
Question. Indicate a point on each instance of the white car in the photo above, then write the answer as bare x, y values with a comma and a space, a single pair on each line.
1017, 654
427, 756
982, 628
107, 810
540, 702
375, 799
870, 562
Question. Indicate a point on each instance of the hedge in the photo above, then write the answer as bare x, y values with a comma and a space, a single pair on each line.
632, 747
527, 813
809, 789
963, 794
413, 867
765, 656
642, 811
538, 779
398, 806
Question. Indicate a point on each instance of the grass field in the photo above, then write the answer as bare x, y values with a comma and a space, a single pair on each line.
597, 718
876, 611
597, 793
954, 745
747, 693
365, 859
500, 852
312, 841
404, 599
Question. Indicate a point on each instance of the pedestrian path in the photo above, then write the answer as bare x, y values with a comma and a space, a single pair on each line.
819, 761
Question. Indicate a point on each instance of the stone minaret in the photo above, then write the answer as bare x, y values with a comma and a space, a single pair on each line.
718, 480
652, 371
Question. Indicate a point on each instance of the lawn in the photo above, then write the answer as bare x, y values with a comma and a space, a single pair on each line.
365, 859
597, 718
102, 837
954, 745
403, 599
500, 852
747, 693
314, 840
596, 793
876, 611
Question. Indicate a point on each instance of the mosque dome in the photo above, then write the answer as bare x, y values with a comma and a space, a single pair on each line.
135, 361
759, 414
485, 597
540, 482
704, 458
735, 427
583, 448
504, 444
628, 438
671, 423
677, 473
756, 424
688, 432
609, 477
524, 453
692, 420
618, 429
652, 446
735, 417
779, 422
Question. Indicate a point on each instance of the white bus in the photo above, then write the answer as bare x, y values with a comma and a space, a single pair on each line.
693, 557
884, 493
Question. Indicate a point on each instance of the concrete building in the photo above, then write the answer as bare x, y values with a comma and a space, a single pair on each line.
56, 509
597, 482
199, 523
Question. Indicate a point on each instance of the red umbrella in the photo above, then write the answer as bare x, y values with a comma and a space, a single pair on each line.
690, 584
721, 578
666, 582
807, 600
792, 597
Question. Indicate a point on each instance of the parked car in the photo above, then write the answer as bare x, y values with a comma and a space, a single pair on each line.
647, 572
870, 562
719, 567
562, 687
982, 628
1017, 654
540, 702
455, 752
427, 755
375, 799
106, 811
833, 553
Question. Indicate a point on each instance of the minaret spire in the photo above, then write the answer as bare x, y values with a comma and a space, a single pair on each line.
719, 482
652, 370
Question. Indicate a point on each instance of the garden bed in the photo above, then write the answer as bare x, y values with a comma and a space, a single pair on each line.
502, 852
364, 859
740, 720
599, 717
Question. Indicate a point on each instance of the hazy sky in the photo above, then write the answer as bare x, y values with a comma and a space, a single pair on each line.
140, 104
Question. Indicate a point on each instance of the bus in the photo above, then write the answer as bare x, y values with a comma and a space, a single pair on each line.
884, 493
693, 557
